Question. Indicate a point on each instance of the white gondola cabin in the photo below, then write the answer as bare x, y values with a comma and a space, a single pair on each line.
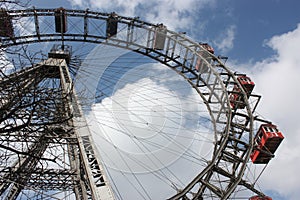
159, 37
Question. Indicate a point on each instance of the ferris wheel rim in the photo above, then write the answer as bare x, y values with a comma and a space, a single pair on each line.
154, 54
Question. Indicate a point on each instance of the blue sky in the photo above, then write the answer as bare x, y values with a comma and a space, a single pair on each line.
260, 37
252, 22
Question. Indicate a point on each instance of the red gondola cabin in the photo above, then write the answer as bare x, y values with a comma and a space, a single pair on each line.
266, 141
236, 100
260, 198
201, 66
208, 48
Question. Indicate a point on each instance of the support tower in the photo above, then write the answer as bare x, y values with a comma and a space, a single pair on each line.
47, 142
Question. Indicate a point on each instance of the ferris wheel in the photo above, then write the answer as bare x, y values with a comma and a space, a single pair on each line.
101, 106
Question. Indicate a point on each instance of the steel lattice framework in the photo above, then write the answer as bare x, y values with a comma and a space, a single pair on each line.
35, 118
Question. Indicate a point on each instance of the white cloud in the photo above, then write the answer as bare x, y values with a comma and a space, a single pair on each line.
173, 13
277, 79
225, 41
